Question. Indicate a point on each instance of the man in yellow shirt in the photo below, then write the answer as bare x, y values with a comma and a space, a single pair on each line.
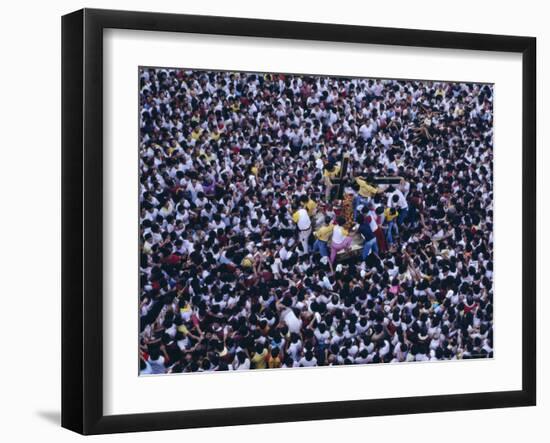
365, 192
390, 215
255, 169
234, 104
322, 237
310, 206
196, 133
259, 358
274, 359
303, 223
331, 172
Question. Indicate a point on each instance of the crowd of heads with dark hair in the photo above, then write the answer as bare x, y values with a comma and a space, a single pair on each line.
268, 238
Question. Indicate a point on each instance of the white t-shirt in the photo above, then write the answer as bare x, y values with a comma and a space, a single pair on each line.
304, 222
338, 235
386, 141
294, 323
294, 349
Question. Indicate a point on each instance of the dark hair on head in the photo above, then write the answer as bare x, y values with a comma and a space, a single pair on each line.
241, 356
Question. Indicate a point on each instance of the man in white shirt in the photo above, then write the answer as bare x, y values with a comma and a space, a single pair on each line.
386, 140
397, 200
303, 223
308, 360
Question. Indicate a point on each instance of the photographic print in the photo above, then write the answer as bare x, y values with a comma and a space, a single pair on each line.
300, 220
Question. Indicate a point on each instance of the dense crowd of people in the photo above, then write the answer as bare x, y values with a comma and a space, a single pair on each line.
248, 257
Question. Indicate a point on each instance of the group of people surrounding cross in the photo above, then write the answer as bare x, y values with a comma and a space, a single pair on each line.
254, 188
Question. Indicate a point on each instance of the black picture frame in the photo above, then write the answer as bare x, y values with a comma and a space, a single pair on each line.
82, 215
